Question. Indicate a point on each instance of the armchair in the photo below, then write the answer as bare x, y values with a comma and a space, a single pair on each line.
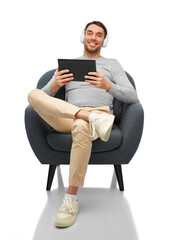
53, 148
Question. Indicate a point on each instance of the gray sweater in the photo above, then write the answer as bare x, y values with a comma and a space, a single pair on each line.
84, 94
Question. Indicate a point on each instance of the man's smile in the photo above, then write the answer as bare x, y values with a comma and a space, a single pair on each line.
92, 44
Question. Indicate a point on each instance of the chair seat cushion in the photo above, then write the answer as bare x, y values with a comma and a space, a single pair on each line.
63, 141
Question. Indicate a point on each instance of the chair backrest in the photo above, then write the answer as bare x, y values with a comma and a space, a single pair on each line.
117, 105
131, 80
44, 79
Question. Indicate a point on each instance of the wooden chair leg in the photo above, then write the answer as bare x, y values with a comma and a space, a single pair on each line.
118, 171
50, 176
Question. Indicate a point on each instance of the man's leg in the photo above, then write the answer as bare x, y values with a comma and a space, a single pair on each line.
79, 158
56, 112
72, 190
61, 115
80, 152
66, 117
81, 146
83, 114
50, 106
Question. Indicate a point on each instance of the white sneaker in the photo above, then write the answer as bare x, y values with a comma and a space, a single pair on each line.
101, 126
67, 213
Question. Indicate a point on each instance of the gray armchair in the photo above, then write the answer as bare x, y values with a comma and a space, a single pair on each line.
53, 148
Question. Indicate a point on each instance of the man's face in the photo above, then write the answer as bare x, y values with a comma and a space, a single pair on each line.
94, 37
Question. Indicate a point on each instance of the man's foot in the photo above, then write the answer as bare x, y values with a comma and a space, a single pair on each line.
100, 126
67, 213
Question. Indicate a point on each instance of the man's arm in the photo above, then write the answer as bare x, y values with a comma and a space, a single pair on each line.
119, 86
46, 88
59, 79
124, 93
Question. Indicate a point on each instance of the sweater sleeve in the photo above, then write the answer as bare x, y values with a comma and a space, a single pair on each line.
46, 88
121, 88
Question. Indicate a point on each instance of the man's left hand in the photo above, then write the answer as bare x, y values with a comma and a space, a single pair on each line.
98, 80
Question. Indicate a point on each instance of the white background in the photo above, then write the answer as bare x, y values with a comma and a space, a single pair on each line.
141, 36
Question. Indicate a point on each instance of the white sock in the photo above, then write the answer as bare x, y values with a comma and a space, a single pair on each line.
92, 115
71, 195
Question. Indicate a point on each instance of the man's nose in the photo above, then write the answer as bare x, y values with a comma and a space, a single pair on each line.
93, 37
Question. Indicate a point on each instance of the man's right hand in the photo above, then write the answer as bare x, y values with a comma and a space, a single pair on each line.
61, 79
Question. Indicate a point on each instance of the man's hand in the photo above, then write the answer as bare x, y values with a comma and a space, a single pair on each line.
98, 80
61, 79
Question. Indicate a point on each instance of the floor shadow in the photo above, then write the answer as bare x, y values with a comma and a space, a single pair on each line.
104, 213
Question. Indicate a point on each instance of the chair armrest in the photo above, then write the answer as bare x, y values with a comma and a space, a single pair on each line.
37, 130
131, 126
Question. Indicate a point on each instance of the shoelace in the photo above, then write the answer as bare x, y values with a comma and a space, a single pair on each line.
65, 208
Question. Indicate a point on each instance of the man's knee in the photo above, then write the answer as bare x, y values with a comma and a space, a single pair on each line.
34, 95
31, 95
80, 126
80, 134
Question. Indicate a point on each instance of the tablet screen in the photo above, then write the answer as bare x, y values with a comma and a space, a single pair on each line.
78, 67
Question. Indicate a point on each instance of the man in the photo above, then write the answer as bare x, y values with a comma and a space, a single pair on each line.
87, 111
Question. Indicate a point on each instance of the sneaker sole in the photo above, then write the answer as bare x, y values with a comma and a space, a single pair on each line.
66, 224
62, 225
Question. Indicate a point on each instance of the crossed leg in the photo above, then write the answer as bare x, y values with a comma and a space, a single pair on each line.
67, 118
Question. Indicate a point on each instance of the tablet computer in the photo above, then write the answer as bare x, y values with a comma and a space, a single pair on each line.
79, 67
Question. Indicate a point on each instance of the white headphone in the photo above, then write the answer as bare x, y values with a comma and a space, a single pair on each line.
105, 42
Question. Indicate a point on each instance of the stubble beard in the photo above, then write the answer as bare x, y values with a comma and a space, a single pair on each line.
91, 50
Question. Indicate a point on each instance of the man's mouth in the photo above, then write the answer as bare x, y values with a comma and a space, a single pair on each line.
92, 44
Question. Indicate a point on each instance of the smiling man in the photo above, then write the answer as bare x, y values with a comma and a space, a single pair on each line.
86, 113
93, 40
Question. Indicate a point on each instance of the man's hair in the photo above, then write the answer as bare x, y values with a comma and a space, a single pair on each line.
100, 24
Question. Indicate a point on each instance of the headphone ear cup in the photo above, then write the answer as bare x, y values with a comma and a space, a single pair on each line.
82, 37
105, 43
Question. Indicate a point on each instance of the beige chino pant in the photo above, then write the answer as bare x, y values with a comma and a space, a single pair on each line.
60, 115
